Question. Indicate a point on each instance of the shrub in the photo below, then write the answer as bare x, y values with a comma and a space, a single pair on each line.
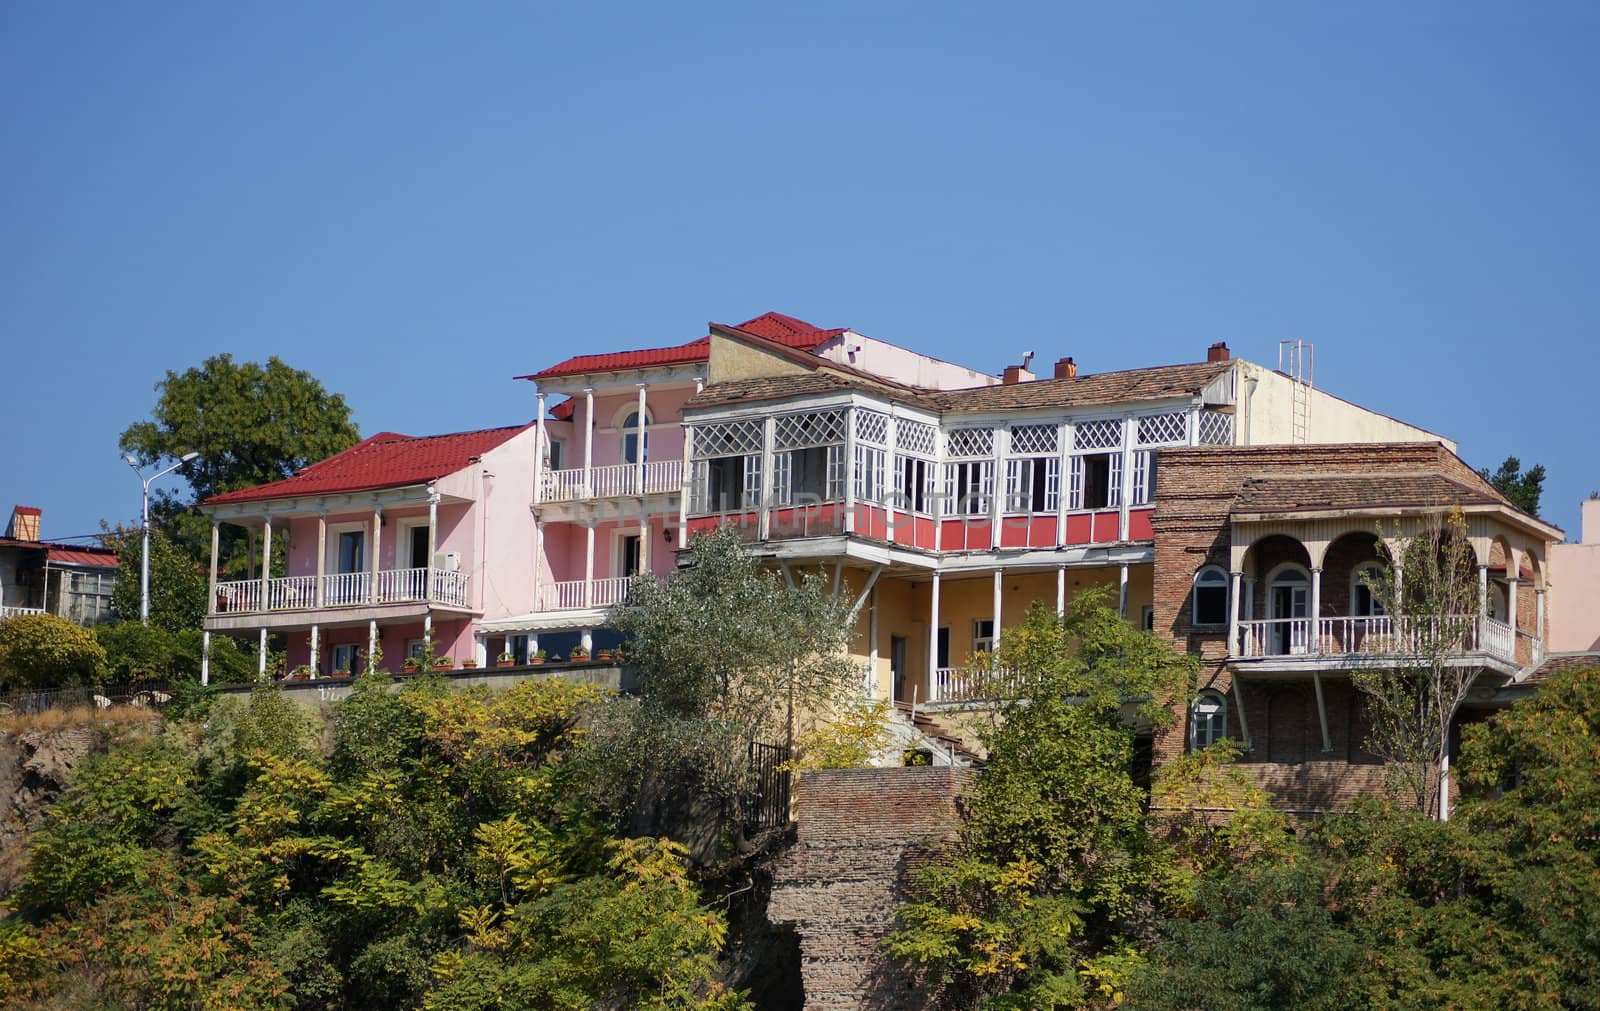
43, 651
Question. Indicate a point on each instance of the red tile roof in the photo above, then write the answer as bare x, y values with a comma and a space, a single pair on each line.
28, 510
386, 460
795, 333
96, 557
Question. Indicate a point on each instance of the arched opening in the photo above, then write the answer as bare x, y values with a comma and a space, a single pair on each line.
1209, 605
1289, 609
630, 437
1208, 719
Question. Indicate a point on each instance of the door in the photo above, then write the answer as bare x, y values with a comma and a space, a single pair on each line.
352, 551
628, 555
419, 547
1291, 599
897, 665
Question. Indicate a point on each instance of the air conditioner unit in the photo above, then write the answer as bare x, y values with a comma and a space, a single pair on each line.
447, 561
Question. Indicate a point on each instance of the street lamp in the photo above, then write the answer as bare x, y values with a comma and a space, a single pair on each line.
144, 560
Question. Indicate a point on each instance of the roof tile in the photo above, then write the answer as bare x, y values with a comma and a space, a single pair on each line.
1101, 388
775, 326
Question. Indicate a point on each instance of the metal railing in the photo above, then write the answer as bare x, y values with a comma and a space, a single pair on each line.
341, 589
1375, 635
15, 612
615, 479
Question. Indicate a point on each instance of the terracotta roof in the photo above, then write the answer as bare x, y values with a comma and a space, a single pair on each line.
774, 326
28, 510
1556, 663
386, 460
1281, 493
96, 557
1101, 388
564, 410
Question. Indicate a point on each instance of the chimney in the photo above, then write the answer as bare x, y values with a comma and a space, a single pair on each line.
1015, 374
24, 523
1066, 368
1217, 352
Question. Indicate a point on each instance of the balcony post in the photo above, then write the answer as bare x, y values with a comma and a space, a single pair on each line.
433, 539
639, 449
1511, 606
377, 546
588, 565
205, 656
539, 442
890, 491
588, 440
686, 477
1130, 428
994, 635
644, 514
850, 469
1314, 638
1483, 594
997, 488
261, 654
1061, 591
933, 641
211, 593
427, 628
320, 593
372, 646
1234, 579
266, 561
1122, 589
316, 648
1064, 436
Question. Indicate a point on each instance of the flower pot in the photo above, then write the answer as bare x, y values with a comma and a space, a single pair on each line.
507, 663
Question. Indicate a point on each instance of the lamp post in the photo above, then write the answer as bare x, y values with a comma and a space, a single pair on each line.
144, 560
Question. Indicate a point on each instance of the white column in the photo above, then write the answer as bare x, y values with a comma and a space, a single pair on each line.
850, 470
998, 603
688, 475
1129, 427
644, 514
997, 500
872, 645
588, 565
1233, 612
372, 645
316, 649
1444, 781
769, 438
1511, 608
377, 545
1314, 638
1483, 591
1122, 589
588, 440
933, 641
319, 593
891, 489
1061, 591
266, 561
205, 656
540, 441
1063, 462
640, 453
587, 639
211, 594
433, 541
261, 654
427, 628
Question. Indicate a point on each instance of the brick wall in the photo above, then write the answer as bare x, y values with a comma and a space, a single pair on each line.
861, 832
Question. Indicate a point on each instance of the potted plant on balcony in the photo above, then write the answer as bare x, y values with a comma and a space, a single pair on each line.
470, 663
579, 655
340, 675
410, 665
538, 657
301, 673
602, 656
443, 663
506, 659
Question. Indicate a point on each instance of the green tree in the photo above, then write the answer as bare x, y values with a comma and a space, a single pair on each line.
177, 582
1522, 487
1041, 900
44, 651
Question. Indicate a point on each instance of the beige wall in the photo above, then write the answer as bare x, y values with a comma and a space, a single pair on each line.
732, 359
1268, 414
1574, 618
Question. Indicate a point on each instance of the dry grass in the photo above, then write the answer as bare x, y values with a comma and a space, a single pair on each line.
78, 716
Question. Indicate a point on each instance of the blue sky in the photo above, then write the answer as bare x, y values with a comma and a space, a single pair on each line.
417, 203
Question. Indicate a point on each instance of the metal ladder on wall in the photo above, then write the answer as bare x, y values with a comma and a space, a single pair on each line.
1295, 360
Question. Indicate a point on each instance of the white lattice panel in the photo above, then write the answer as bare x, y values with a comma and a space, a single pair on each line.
1104, 434
970, 442
1163, 429
872, 427
914, 437
727, 438
1216, 428
1033, 440
814, 428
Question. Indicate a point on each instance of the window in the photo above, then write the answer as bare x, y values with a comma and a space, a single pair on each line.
1147, 618
1210, 596
558, 454
914, 482
419, 546
628, 555
630, 437
1363, 604
1033, 485
869, 476
1102, 483
814, 474
724, 482
344, 657
1144, 478
89, 597
968, 485
1208, 719
983, 636
352, 551
415, 648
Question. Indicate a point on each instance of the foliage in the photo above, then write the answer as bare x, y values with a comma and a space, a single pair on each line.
443, 858
44, 651
1413, 698
136, 652
1055, 869
177, 581
845, 738
1522, 487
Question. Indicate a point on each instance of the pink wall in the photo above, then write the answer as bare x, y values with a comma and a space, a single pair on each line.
665, 435
452, 638
1574, 599
455, 525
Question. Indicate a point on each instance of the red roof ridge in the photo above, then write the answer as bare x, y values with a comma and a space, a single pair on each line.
790, 331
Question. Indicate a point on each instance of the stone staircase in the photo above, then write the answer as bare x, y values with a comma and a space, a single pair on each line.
915, 729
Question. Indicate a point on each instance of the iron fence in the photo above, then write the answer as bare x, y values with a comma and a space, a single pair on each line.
151, 694
769, 808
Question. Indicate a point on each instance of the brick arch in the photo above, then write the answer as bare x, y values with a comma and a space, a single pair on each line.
1344, 556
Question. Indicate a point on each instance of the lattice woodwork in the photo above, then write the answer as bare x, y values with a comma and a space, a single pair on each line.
970, 442
872, 427
726, 438
813, 428
914, 437
1033, 440
1104, 434
1163, 429
1216, 428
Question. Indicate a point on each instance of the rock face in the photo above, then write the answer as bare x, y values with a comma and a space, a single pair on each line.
35, 767
861, 832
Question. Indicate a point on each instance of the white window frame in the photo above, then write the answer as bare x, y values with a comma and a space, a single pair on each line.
403, 528
619, 539
980, 486
982, 643
336, 530
627, 430
1211, 706
350, 649
1224, 583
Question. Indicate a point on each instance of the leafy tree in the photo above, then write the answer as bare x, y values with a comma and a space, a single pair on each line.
44, 651
1413, 697
135, 652
1522, 487
177, 583
1041, 902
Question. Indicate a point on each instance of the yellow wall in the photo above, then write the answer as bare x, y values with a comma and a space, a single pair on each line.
733, 359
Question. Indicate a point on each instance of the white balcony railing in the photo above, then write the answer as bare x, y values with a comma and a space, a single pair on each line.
660, 476
974, 684
341, 589
15, 612
577, 593
1377, 635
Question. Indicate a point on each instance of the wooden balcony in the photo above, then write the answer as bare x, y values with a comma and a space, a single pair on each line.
612, 481
1377, 638
341, 590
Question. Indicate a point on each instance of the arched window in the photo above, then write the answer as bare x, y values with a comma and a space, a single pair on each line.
1210, 596
1289, 607
1208, 719
630, 437
1363, 602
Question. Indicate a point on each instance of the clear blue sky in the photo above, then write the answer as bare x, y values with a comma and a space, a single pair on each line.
418, 201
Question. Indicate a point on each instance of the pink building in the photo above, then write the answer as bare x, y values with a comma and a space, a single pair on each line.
1575, 593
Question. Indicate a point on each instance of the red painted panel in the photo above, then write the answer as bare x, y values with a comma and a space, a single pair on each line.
1105, 527
1014, 531
1139, 525
1042, 532
966, 535
1079, 528
923, 532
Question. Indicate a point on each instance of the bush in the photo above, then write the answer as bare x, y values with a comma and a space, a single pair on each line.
135, 651
43, 651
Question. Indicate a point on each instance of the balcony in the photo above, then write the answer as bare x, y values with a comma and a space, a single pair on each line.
578, 594
15, 612
612, 481
342, 589
1376, 637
